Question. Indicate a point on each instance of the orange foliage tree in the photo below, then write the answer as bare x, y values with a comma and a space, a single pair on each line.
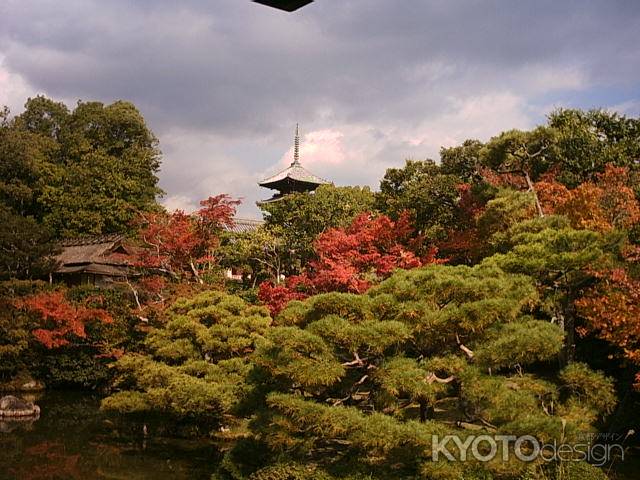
611, 310
606, 204
62, 321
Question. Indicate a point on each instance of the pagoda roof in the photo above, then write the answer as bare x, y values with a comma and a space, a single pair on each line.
293, 174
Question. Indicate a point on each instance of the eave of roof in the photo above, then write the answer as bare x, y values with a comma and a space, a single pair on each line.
296, 173
96, 269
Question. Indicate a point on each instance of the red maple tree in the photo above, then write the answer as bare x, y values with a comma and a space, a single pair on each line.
276, 297
351, 259
464, 243
179, 243
61, 320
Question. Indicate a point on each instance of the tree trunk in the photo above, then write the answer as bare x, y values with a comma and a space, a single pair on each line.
426, 411
195, 272
535, 194
569, 327
135, 293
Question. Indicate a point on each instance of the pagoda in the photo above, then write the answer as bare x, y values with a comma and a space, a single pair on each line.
294, 178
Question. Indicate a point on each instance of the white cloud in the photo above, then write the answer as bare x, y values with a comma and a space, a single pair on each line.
541, 78
198, 165
179, 202
319, 147
630, 108
478, 117
360, 153
14, 89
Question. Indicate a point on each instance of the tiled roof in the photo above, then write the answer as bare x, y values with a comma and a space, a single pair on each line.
103, 255
295, 172
92, 240
97, 269
244, 225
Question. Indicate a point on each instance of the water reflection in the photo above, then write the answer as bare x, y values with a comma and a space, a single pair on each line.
73, 440
8, 425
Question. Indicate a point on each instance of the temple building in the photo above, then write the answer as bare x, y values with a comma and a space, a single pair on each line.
100, 261
294, 178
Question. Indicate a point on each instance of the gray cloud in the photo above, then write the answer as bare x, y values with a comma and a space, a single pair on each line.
223, 81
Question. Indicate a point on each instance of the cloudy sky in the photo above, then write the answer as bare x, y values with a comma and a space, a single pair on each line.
222, 83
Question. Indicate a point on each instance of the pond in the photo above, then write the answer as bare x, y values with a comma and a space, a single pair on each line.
74, 440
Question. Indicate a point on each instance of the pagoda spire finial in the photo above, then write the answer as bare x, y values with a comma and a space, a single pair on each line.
296, 148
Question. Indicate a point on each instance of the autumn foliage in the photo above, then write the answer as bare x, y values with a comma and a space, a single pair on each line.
153, 285
611, 310
464, 244
179, 243
610, 307
351, 260
276, 297
605, 204
62, 321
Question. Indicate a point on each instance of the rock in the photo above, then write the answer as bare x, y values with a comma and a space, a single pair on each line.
31, 396
11, 406
32, 386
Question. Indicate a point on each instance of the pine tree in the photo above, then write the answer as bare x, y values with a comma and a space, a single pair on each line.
196, 365
361, 383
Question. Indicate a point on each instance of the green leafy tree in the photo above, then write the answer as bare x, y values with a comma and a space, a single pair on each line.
109, 161
44, 116
356, 386
501, 215
589, 140
574, 145
261, 254
64, 337
420, 188
15, 328
561, 260
301, 217
464, 161
26, 248
86, 171
23, 156
521, 155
